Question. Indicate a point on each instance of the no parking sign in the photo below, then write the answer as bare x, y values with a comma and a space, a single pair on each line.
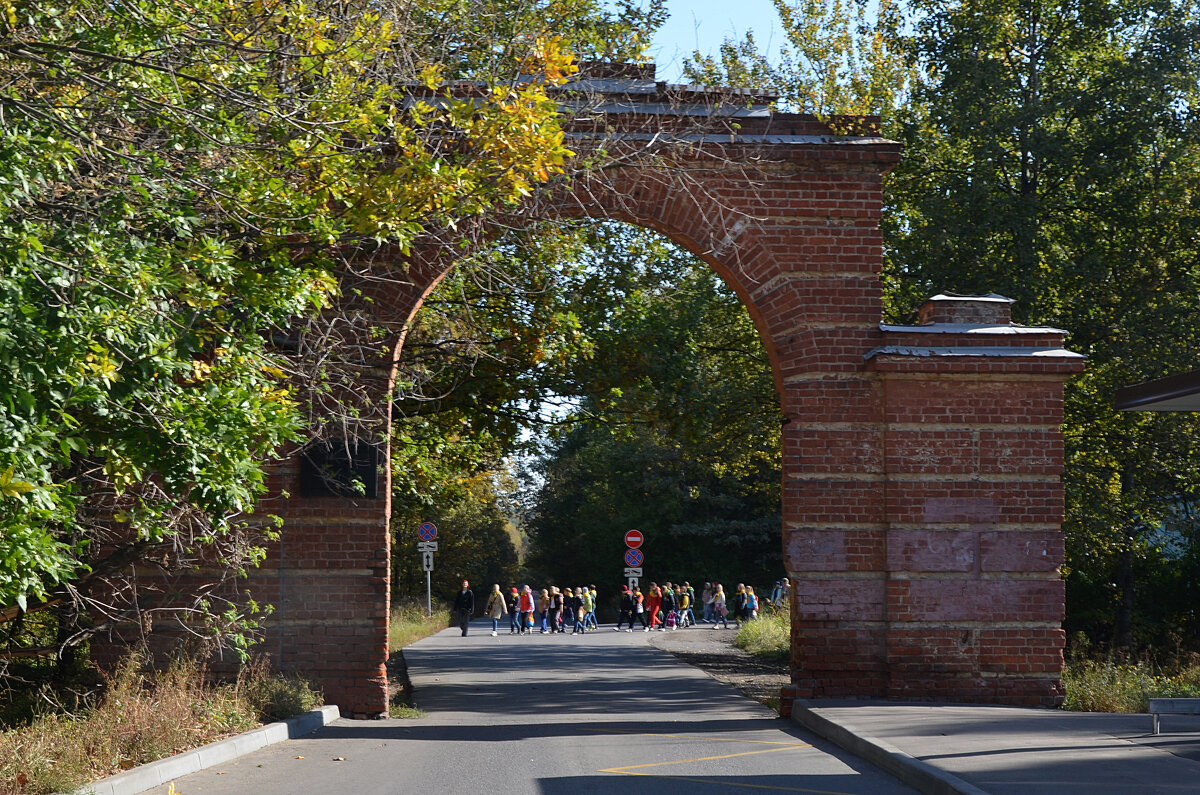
634, 557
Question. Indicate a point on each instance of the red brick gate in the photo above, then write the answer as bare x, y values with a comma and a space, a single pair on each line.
921, 497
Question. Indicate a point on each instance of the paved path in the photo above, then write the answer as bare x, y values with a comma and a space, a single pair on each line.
601, 713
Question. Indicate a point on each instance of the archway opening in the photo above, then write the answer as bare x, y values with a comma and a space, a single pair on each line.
582, 380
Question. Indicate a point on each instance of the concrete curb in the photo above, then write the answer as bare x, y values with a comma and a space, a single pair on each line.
156, 774
912, 771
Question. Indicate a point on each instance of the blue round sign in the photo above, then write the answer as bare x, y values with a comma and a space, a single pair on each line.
633, 557
427, 531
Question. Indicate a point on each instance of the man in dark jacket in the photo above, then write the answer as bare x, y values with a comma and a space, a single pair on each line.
464, 606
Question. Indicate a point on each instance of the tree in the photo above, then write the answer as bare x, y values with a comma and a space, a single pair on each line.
178, 186
1051, 156
683, 432
838, 57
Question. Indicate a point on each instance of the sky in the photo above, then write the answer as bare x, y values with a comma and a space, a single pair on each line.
703, 24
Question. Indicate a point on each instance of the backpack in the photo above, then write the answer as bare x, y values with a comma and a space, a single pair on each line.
672, 618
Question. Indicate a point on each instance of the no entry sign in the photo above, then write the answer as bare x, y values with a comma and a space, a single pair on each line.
633, 557
633, 539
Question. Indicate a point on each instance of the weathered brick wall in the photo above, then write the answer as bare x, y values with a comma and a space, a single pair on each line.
973, 454
921, 503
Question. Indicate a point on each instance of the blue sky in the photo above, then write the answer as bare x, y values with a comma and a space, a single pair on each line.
703, 24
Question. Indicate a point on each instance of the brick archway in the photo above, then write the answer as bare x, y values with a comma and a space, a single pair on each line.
921, 503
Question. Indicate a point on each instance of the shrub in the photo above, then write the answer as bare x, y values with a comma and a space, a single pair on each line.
768, 636
1112, 686
276, 696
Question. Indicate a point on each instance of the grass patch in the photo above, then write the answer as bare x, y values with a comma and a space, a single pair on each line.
405, 711
409, 623
139, 718
279, 696
769, 636
1112, 686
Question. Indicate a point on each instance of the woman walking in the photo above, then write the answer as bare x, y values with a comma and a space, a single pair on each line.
575, 606
496, 608
514, 611
720, 609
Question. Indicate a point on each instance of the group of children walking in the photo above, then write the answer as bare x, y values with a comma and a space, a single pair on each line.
553, 610
666, 607
670, 607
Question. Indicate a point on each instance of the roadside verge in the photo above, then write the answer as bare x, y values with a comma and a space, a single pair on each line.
155, 774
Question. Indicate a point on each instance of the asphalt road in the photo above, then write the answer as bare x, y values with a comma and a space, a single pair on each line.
600, 713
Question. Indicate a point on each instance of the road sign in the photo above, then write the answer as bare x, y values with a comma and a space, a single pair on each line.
427, 561
633, 572
633, 539
427, 531
633, 557
427, 546
633, 583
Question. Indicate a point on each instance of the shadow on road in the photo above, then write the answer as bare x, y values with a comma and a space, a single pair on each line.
531, 676
515, 732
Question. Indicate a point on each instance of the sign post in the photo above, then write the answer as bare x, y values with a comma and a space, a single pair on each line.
633, 557
426, 547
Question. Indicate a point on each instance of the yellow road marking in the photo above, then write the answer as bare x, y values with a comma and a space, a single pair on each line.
698, 737
634, 770
703, 758
727, 783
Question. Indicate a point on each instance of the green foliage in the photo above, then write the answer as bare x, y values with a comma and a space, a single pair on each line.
1052, 153
837, 57
681, 431
178, 186
476, 538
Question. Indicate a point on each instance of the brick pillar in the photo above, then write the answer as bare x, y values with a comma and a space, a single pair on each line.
328, 580
972, 453
329, 575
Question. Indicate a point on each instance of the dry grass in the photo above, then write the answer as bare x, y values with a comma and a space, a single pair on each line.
1111, 686
409, 623
142, 717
